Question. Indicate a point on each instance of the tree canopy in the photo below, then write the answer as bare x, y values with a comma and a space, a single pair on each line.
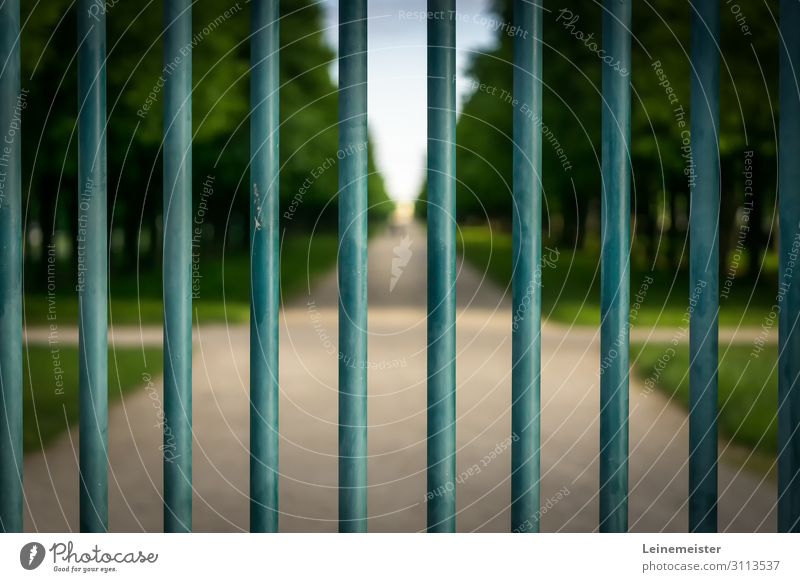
136, 74
660, 81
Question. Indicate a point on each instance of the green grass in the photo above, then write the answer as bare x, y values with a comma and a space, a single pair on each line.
748, 388
571, 285
50, 403
223, 293
51, 395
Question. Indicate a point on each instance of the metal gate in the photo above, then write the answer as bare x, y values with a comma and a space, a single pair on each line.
527, 226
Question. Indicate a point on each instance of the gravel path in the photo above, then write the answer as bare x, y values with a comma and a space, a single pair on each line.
570, 402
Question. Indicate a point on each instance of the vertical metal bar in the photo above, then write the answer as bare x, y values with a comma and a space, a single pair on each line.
177, 266
789, 318
11, 270
92, 253
527, 253
264, 265
441, 265
353, 266
615, 268
704, 267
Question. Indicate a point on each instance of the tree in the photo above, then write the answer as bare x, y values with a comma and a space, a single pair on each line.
136, 76
572, 101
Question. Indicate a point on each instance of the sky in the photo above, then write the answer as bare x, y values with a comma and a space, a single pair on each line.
397, 80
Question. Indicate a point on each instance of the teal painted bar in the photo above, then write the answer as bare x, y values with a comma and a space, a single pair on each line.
353, 266
789, 317
615, 268
704, 267
526, 283
264, 264
441, 266
92, 250
177, 266
11, 269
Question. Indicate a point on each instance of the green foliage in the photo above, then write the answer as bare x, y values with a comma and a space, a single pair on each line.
221, 102
572, 104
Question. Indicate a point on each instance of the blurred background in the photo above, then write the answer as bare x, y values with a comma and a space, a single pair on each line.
660, 77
